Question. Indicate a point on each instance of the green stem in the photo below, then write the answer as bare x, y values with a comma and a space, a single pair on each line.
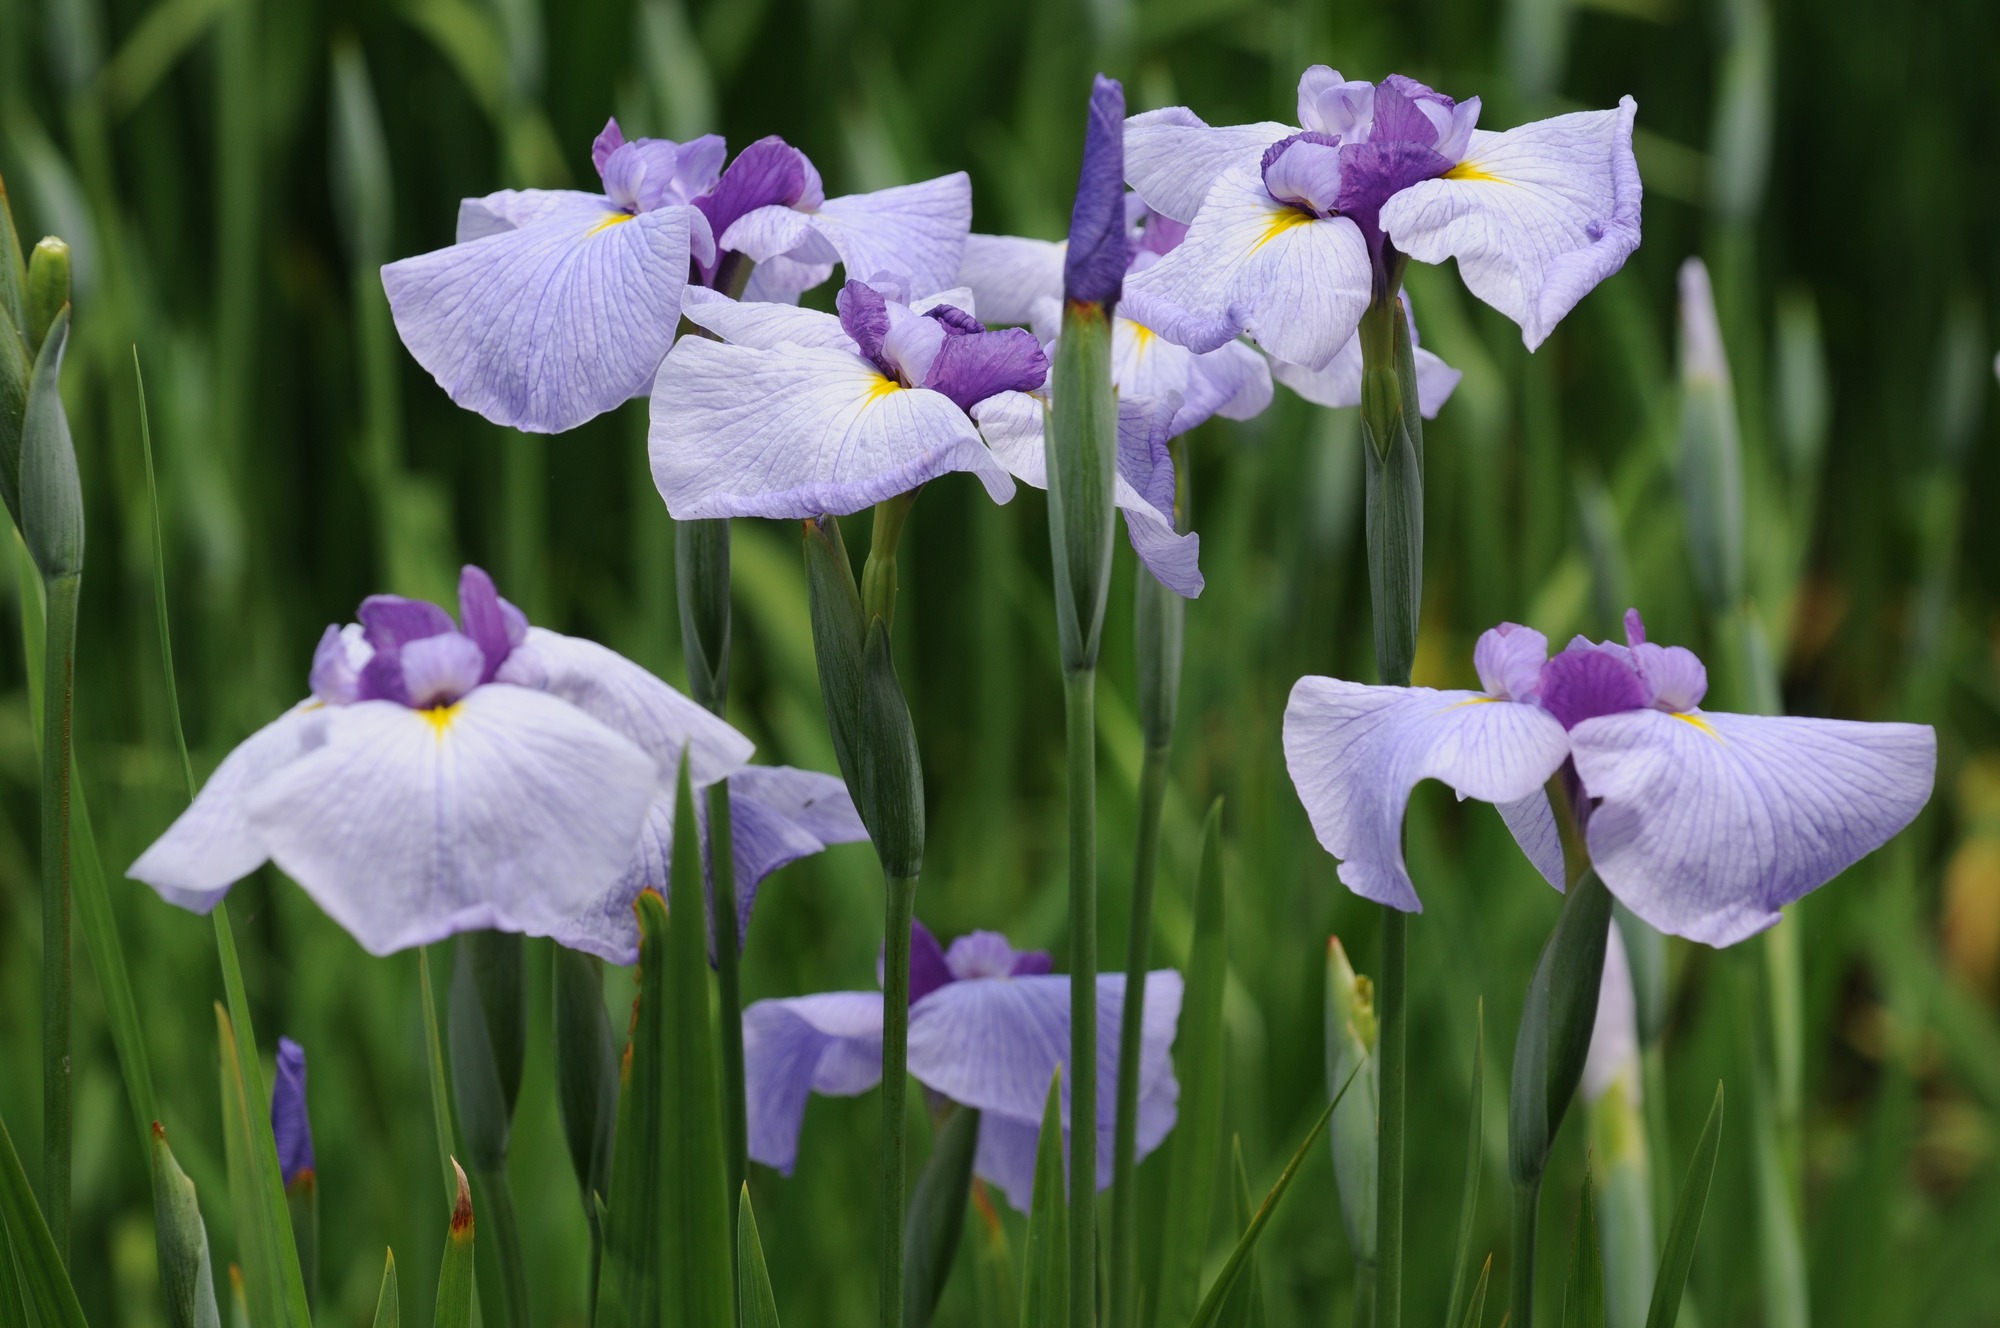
1364, 1294
1079, 709
901, 909
878, 574
59, 686
496, 1220
1392, 1051
1138, 953
1521, 1289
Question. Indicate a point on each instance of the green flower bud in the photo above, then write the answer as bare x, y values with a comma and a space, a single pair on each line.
48, 289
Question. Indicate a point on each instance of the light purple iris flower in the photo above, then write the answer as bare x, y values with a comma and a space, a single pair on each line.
1289, 224
1704, 824
291, 1127
555, 306
795, 413
989, 1025
448, 777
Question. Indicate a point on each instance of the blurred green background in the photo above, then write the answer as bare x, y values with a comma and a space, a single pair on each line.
230, 173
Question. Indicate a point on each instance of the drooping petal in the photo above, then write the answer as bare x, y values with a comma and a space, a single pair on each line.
828, 1043
742, 432
212, 845
1532, 822
762, 326
1008, 274
1355, 752
1172, 157
917, 230
1339, 383
510, 810
1707, 824
1232, 381
545, 326
1535, 216
630, 701
1296, 283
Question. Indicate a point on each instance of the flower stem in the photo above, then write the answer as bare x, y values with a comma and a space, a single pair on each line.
1138, 952
1521, 1289
902, 904
1079, 709
58, 694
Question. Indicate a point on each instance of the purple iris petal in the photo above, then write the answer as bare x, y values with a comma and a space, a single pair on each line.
1094, 267
289, 1122
639, 177
929, 969
491, 621
864, 316
986, 954
438, 670
1304, 170
1334, 105
1509, 659
912, 345
337, 664
609, 139
1401, 104
768, 173
829, 1043
971, 367
1584, 682
391, 620
778, 815
955, 319
1031, 963
1372, 173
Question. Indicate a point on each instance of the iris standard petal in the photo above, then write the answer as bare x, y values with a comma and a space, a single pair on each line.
1008, 274
509, 810
1705, 825
796, 433
828, 1043
1295, 282
545, 326
1355, 752
630, 701
1535, 216
762, 326
212, 845
1172, 157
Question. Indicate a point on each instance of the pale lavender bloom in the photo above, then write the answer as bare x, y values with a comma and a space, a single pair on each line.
1288, 224
989, 1025
1704, 824
290, 1125
448, 777
796, 413
1339, 383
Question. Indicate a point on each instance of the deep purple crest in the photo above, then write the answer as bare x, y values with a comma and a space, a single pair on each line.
416, 656
289, 1123
1094, 267
973, 956
944, 349
768, 173
1592, 678
647, 173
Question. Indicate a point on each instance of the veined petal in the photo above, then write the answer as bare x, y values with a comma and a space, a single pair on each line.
762, 326
828, 1043
1172, 157
1296, 283
545, 326
212, 845
1707, 824
1339, 383
773, 231
914, 230
511, 209
1146, 364
796, 433
1232, 381
1008, 1147
1532, 822
1355, 753
630, 701
1143, 488
783, 279
1535, 216
1008, 274
509, 810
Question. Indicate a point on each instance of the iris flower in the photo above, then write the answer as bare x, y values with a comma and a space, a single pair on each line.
556, 305
1294, 228
989, 1025
1704, 824
447, 777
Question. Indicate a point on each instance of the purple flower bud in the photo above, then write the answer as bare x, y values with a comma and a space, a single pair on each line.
288, 1115
1094, 268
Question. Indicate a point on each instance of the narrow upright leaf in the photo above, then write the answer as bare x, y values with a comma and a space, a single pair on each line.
42, 1274
1468, 1204
1245, 1307
1686, 1226
1197, 1138
388, 1303
1045, 1285
256, 1233
753, 1278
454, 1298
1475, 1305
631, 1283
187, 1280
1583, 1295
936, 1220
434, 1063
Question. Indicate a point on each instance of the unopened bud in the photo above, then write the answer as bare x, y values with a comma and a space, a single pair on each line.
48, 289
186, 1282
51, 494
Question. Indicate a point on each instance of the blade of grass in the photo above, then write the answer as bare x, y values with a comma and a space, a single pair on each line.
256, 1237
388, 1303
454, 1297
753, 1278
39, 1263
1045, 1282
631, 1282
1468, 1206
1475, 1306
936, 1218
440, 1090
1246, 1302
1679, 1253
1583, 1296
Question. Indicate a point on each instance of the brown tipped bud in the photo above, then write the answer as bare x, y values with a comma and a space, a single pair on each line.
461, 1212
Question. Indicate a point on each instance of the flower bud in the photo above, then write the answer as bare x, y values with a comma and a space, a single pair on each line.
48, 289
1351, 1028
51, 494
1711, 453
187, 1283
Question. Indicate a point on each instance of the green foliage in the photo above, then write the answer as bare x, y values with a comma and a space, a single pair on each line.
1678, 1255
187, 1279
753, 1278
1045, 1277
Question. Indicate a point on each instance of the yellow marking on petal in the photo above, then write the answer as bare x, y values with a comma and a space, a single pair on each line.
1283, 220
610, 221
882, 387
440, 717
310, 706
1694, 719
1476, 700
1467, 170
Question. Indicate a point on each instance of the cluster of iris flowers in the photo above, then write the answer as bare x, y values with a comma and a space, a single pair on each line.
449, 776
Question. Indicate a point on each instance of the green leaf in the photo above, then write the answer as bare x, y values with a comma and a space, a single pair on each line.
434, 1062
1556, 1023
586, 1054
1245, 1307
1583, 1295
996, 1286
936, 1218
454, 1297
1468, 1204
1686, 1226
187, 1280
40, 1265
256, 1234
1475, 1306
1197, 1138
13, 274
1351, 1035
51, 494
388, 1303
1045, 1284
753, 1278
1246, 1244
700, 1251
486, 1010
632, 1281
